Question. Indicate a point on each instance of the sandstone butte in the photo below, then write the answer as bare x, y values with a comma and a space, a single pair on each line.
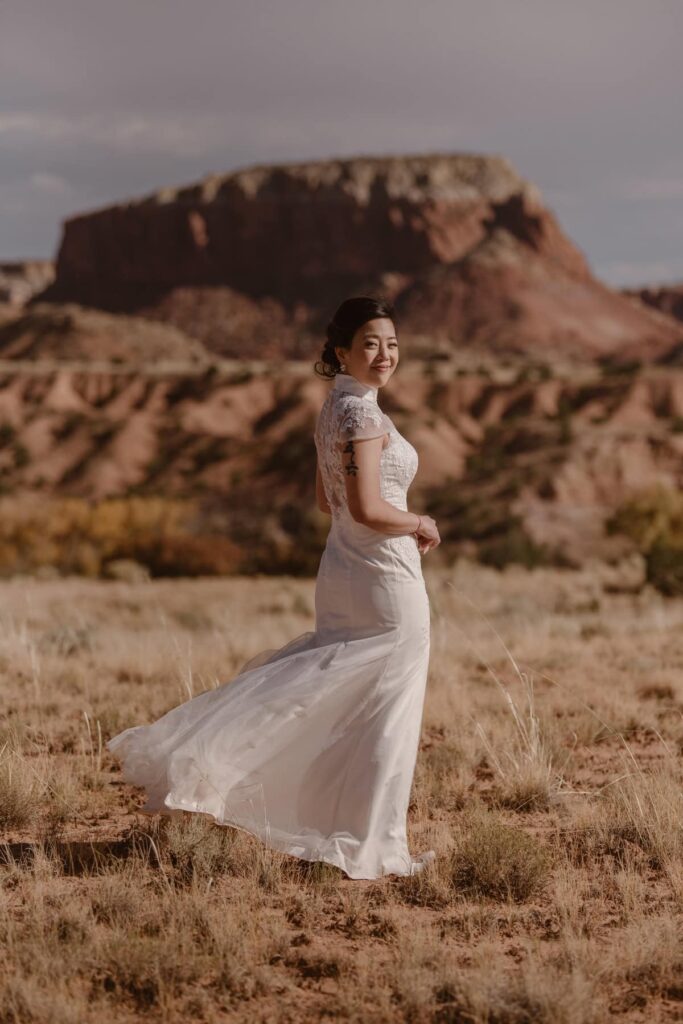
253, 263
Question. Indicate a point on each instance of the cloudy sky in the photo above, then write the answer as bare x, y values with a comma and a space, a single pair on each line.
102, 101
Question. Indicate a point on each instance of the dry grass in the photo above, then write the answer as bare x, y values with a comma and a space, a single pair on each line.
548, 782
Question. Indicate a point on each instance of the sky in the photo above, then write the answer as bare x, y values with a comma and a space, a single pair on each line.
102, 102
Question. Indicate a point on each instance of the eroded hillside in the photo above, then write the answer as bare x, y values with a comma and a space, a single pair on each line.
518, 464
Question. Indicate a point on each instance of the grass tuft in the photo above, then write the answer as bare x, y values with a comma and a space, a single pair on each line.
497, 861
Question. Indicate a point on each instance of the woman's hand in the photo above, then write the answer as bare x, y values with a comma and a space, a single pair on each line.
427, 535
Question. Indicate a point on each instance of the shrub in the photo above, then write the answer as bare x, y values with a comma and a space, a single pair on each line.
7, 433
168, 536
185, 555
19, 790
498, 861
653, 520
515, 545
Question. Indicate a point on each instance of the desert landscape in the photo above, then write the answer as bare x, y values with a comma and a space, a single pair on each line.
158, 529
542, 402
548, 783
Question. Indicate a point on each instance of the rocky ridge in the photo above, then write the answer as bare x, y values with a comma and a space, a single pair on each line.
538, 462
254, 262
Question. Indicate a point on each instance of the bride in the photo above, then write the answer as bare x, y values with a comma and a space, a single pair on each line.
312, 747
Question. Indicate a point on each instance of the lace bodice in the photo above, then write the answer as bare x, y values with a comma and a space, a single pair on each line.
350, 412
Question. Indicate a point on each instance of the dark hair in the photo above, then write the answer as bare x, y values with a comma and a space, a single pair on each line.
351, 315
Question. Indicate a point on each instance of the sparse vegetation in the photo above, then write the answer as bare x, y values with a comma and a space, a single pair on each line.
554, 810
514, 544
498, 861
72, 535
510, 449
654, 521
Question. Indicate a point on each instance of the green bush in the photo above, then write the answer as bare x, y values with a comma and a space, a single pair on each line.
515, 545
653, 520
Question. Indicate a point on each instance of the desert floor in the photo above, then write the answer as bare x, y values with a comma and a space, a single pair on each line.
548, 782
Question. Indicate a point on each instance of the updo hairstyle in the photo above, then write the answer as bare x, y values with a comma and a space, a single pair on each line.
351, 315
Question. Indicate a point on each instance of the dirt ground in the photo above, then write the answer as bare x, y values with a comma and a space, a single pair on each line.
548, 782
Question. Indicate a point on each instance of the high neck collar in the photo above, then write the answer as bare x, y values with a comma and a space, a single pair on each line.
347, 382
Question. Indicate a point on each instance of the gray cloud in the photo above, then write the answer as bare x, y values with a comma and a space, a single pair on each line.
102, 102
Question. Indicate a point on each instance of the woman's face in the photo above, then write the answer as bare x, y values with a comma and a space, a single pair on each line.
373, 354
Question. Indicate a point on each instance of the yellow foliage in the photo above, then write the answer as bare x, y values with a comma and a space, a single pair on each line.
79, 536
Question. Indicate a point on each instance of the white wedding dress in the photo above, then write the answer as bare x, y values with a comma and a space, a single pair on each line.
312, 747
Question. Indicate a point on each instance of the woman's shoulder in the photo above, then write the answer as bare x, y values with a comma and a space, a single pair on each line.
361, 417
348, 412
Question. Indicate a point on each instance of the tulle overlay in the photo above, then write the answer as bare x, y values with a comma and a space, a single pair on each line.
312, 747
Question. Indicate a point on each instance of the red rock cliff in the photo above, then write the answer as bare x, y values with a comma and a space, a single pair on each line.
463, 243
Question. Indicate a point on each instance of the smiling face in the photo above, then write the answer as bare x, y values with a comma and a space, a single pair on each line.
373, 354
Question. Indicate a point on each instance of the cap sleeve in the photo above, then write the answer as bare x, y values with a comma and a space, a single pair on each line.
361, 420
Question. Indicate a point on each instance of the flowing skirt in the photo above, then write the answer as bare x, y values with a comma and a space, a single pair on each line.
311, 747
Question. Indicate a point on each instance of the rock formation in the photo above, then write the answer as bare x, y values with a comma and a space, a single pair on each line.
667, 299
68, 332
254, 262
538, 398
510, 468
21, 280
524, 290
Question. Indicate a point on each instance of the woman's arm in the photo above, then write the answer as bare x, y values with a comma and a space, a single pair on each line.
360, 460
320, 496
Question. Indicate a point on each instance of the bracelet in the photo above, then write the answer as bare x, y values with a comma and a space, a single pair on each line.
419, 522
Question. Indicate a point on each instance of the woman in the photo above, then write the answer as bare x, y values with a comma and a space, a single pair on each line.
313, 747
